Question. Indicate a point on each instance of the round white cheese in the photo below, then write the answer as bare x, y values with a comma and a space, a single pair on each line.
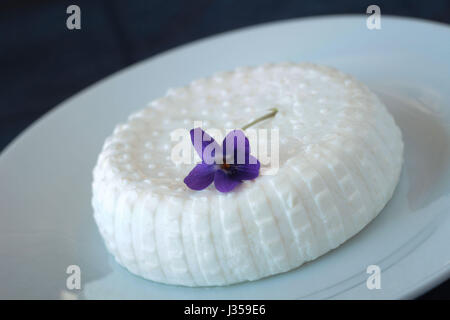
340, 157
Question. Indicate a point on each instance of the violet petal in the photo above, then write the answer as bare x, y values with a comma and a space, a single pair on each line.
225, 182
200, 177
201, 140
236, 147
247, 171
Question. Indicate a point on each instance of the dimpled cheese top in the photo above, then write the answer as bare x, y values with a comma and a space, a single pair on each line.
340, 157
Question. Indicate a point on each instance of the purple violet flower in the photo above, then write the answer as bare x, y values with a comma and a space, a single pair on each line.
227, 166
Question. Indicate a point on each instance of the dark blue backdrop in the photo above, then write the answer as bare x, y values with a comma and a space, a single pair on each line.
42, 62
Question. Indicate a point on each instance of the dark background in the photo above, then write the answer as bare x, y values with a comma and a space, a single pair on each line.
43, 63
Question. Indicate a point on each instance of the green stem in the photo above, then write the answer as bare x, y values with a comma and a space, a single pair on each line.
271, 114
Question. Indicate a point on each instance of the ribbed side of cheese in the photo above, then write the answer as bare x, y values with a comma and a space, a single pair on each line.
340, 160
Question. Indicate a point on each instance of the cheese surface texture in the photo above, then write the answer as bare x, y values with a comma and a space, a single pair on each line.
340, 158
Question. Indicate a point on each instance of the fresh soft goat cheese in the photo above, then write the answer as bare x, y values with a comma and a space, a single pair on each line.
340, 157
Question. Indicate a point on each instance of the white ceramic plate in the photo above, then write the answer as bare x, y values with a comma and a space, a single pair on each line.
46, 221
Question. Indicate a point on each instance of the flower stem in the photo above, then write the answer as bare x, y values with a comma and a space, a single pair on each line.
271, 114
